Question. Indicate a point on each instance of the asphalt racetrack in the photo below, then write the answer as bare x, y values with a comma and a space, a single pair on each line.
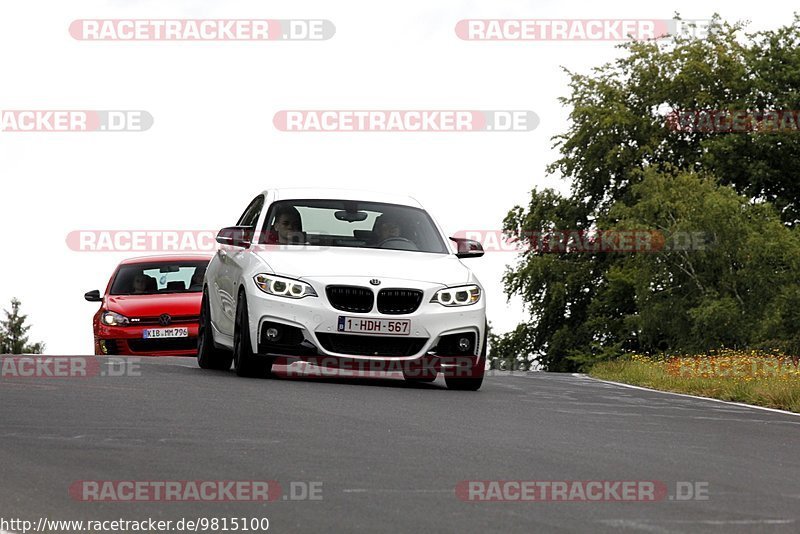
381, 455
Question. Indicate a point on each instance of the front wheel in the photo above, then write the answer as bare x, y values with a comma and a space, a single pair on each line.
245, 361
209, 356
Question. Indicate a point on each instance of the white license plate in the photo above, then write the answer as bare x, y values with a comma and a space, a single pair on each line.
390, 327
155, 333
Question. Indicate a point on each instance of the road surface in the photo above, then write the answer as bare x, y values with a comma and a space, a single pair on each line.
385, 456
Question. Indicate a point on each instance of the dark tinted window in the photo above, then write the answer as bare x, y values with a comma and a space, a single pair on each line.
159, 278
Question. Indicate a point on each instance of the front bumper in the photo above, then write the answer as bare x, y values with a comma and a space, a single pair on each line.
129, 341
314, 324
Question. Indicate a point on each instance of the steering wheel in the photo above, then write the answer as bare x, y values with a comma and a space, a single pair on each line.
397, 239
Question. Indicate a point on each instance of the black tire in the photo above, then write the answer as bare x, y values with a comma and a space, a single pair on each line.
246, 363
208, 355
474, 381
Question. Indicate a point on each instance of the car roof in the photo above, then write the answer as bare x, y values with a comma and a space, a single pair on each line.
166, 258
315, 193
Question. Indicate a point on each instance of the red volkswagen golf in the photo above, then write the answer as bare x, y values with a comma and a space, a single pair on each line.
150, 307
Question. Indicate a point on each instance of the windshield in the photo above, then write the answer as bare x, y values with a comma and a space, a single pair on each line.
356, 224
159, 278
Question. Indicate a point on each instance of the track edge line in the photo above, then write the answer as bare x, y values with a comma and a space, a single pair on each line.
745, 405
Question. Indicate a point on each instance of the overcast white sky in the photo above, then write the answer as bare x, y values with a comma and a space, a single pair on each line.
213, 147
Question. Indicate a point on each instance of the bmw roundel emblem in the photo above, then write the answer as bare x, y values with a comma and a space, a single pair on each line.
375, 282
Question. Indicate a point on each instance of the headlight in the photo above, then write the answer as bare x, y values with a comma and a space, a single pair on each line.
283, 287
458, 296
114, 319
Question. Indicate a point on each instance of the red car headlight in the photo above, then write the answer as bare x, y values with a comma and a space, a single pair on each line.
110, 318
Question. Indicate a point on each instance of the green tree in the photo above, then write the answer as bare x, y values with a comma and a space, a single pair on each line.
725, 277
724, 290
628, 169
619, 116
13, 333
505, 353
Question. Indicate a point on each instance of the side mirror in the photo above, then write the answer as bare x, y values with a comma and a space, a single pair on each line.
467, 248
235, 236
93, 296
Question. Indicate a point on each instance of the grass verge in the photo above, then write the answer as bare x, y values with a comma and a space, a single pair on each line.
762, 380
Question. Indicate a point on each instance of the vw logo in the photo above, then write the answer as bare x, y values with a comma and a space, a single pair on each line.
375, 282
164, 319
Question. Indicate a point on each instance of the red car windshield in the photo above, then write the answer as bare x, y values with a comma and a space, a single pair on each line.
159, 278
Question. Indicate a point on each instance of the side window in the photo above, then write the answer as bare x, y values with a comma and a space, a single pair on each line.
250, 215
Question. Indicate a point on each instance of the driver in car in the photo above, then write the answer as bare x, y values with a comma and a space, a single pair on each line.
140, 284
387, 227
289, 227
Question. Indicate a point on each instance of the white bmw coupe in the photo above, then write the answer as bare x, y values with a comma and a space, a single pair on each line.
343, 279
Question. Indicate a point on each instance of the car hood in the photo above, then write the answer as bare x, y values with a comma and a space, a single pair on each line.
154, 305
444, 269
